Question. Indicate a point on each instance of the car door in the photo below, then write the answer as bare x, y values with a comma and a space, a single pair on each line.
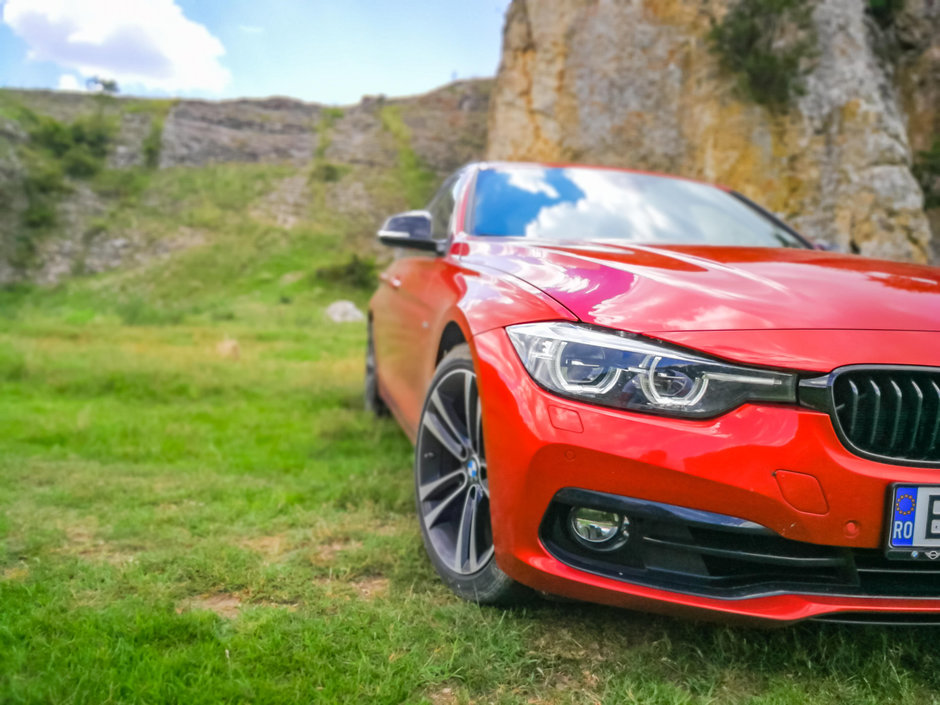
403, 309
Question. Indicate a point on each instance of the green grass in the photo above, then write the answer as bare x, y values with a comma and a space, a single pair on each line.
416, 180
177, 525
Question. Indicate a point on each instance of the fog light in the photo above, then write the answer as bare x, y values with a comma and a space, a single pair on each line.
597, 528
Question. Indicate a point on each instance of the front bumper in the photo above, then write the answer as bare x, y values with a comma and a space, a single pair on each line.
539, 445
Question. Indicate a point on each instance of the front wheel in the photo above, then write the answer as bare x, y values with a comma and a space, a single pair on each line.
452, 486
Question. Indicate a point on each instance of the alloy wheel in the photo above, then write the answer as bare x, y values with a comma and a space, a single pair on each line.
451, 475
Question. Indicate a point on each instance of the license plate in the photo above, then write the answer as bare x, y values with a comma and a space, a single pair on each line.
914, 526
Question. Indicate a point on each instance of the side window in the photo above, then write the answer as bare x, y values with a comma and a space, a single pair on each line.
441, 208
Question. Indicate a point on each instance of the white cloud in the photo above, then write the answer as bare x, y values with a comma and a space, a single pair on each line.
146, 43
68, 82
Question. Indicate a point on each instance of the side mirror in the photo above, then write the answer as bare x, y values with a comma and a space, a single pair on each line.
411, 229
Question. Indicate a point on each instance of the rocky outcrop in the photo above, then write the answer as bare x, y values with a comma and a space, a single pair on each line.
917, 37
635, 84
273, 130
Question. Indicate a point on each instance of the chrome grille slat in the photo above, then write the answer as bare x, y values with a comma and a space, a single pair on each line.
876, 411
898, 405
918, 414
892, 413
854, 406
936, 423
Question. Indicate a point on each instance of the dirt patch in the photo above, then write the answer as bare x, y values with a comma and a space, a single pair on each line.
327, 552
444, 696
291, 278
372, 587
289, 606
391, 528
228, 349
82, 534
368, 588
81, 541
228, 604
268, 546
335, 590
16, 572
224, 604
105, 552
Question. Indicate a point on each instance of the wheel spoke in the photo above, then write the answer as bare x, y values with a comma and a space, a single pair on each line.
469, 386
433, 487
444, 433
444, 415
478, 430
473, 558
463, 548
485, 556
432, 516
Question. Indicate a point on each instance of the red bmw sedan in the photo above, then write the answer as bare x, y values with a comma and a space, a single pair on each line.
650, 392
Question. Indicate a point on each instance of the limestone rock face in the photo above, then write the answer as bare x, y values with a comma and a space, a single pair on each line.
633, 83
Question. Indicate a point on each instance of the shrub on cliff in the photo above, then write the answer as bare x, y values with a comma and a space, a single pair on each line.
81, 146
884, 11
927, 171
766, 43
54, 151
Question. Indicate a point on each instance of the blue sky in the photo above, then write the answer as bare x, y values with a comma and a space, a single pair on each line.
329, 51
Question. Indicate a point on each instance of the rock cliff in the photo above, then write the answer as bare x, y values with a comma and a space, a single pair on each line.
635, 83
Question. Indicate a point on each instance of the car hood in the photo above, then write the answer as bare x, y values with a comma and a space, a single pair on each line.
664, 289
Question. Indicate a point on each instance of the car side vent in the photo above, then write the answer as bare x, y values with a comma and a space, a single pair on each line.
891, 413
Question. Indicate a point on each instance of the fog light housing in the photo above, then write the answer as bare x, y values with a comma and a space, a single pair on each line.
598, 529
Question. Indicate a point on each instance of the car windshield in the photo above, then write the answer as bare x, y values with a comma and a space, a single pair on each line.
578, 203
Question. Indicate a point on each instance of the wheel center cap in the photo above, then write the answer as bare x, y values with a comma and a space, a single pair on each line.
473, 470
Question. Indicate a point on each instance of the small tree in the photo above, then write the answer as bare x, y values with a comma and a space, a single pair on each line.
104, 85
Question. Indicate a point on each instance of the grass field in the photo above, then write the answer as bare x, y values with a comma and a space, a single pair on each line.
177, 525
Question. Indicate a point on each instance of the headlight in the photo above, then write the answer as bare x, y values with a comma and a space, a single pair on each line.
625, 372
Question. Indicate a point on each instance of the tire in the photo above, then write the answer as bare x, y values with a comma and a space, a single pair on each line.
452, 487
373, 400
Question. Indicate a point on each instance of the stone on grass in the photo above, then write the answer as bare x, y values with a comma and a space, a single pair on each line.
229, 348
344, 312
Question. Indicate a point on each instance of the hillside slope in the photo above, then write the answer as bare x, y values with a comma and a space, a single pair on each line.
92, 183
